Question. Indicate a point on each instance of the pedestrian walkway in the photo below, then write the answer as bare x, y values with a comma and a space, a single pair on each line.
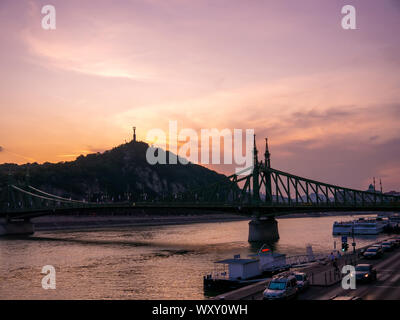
327, 274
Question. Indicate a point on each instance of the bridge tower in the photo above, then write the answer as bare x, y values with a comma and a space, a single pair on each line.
8, 225
261, 230
268, 185
256, 173
9, 196
267, 155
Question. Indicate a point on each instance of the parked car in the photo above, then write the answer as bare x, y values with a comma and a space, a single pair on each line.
373, 253
396, 242
387, 246
302, 281
393, 242
365, 273
281, 288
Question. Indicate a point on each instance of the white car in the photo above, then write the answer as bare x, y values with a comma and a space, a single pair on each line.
302, 280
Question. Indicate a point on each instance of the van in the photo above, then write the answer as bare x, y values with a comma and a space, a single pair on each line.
281, 288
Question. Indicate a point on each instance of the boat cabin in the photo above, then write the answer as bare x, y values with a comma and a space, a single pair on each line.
241, 269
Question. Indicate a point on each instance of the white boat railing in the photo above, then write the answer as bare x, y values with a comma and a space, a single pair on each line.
302, 259
293, 261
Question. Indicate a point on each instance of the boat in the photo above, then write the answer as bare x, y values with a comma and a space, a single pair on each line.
342, 227
231, 274
394, 220
370, 226
360, 226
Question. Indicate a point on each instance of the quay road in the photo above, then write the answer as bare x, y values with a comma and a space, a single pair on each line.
386, 287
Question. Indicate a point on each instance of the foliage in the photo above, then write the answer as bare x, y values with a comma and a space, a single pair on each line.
118, 174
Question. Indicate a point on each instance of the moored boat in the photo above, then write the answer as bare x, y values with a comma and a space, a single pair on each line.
230, 274
342, 227
360, 226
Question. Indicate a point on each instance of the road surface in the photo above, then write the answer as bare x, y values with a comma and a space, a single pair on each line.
386, 287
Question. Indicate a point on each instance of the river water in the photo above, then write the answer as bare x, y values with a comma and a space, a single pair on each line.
155, 262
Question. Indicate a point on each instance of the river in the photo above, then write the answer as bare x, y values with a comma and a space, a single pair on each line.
155, 262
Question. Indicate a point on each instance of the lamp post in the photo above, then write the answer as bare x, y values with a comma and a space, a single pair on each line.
354, 242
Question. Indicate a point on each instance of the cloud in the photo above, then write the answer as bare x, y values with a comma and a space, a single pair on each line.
342, 145
396, 3
88, 150
67, 55
352, 122
344, 161
91, 149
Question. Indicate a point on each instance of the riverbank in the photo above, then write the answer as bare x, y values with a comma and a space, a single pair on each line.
83, 222
326, 214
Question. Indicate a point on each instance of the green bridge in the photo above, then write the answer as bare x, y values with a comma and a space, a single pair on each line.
262, 192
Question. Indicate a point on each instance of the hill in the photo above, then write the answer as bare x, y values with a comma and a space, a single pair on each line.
118, 174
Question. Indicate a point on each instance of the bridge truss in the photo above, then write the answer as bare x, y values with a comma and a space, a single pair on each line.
262, 188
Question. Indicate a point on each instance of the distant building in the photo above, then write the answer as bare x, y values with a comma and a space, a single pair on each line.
372, 189
392, 193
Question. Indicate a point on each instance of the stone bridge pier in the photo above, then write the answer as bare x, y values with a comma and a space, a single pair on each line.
263, 230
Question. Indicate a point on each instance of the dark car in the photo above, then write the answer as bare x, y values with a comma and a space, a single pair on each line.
373, 253
365, 273
396, 242
387, 246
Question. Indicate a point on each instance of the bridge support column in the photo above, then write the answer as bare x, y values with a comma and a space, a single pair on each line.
263, 230
19, 227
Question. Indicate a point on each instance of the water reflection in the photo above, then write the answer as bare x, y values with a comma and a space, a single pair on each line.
164, 262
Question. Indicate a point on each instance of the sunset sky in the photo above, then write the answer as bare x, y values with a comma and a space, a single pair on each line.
327, 98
